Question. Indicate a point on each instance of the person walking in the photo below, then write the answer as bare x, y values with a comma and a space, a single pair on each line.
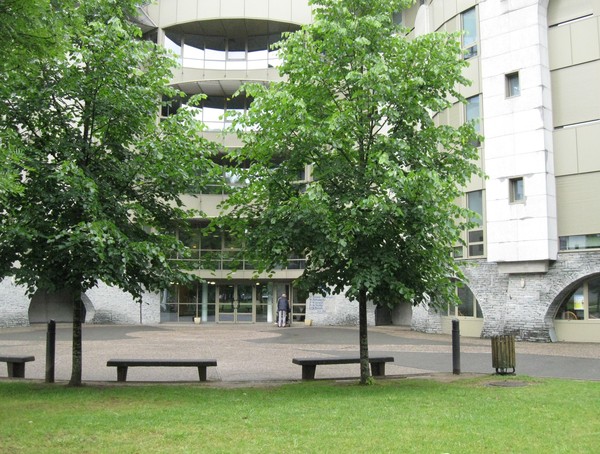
283, 307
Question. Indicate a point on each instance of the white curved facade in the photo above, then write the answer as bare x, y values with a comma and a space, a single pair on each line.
221, 45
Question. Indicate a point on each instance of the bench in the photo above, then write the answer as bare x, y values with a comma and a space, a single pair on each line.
123, 364
309, 365
16, 364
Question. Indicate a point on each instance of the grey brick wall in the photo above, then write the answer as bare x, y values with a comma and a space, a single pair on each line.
14, 305
103, 304
426, 319
522, 304
112, 305
519, 304
336, 310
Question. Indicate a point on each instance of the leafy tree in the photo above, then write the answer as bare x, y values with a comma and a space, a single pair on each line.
377, 221
27, 34
97, 197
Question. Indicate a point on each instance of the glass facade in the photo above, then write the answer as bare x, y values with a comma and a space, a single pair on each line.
230, 302
220, 251
223, 53
216, 112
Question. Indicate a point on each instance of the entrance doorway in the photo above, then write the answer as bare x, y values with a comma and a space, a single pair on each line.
230, 302
236, 303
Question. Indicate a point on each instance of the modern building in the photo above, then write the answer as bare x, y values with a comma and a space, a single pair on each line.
533, 262
221, 45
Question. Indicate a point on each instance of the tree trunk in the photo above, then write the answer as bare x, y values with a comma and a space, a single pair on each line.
363, 339
77, 321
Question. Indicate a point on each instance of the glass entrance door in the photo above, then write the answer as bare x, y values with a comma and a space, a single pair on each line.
227, 303
245, 297
236, 303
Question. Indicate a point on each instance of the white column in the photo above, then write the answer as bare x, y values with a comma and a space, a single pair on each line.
270, 303
518, 132
204, 302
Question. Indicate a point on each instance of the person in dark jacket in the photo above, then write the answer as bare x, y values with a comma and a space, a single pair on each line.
283, 307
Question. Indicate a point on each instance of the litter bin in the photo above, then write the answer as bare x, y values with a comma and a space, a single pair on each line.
503, 354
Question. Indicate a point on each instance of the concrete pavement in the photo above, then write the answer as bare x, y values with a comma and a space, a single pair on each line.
261, 353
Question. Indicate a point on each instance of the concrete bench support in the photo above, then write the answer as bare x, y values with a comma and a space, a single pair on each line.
16, 364
309, 365
123, 364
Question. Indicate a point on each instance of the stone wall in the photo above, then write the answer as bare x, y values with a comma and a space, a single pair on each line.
522, 304
426, 320
336, 310
103, 304
14, 304
114, 306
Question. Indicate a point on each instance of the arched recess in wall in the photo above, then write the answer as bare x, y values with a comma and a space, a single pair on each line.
575, 312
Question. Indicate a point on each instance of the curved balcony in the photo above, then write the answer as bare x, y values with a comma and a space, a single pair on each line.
235, 49
168, 13
215, 111
224, 52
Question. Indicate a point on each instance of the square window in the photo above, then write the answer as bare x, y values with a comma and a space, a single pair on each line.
517, 192
513, 87
476, 250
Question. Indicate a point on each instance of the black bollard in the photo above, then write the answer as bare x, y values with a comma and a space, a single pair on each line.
50, 351
455, 348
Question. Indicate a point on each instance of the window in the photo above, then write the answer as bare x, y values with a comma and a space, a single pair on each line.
221, 53
516, 191
468, 307
219, 250
473, 114
173, 43
583, 303
473, 111
216, 112
513, 87
458, 252
574, 242
475, 236
469, 28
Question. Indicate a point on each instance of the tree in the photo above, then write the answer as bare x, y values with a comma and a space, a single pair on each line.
377, 220
97, 197
27, 35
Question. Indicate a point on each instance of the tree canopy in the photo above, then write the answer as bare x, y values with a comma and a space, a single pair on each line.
93, 179
376, 217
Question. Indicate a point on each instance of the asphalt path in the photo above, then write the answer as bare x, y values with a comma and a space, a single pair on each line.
261, 353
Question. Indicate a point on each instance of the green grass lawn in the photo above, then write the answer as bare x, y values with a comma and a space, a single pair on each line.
400, 416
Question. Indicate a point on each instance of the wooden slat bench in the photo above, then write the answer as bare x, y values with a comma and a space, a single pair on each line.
16, 364
123, 364
309, 365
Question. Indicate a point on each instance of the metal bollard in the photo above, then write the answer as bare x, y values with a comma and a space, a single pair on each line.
455, 347
50, 351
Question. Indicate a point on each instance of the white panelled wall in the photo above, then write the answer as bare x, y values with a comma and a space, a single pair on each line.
518, 134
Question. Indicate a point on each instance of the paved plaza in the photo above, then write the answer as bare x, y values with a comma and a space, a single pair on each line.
261, 353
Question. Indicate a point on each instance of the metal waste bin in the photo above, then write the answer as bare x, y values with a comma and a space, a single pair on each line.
503, 354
